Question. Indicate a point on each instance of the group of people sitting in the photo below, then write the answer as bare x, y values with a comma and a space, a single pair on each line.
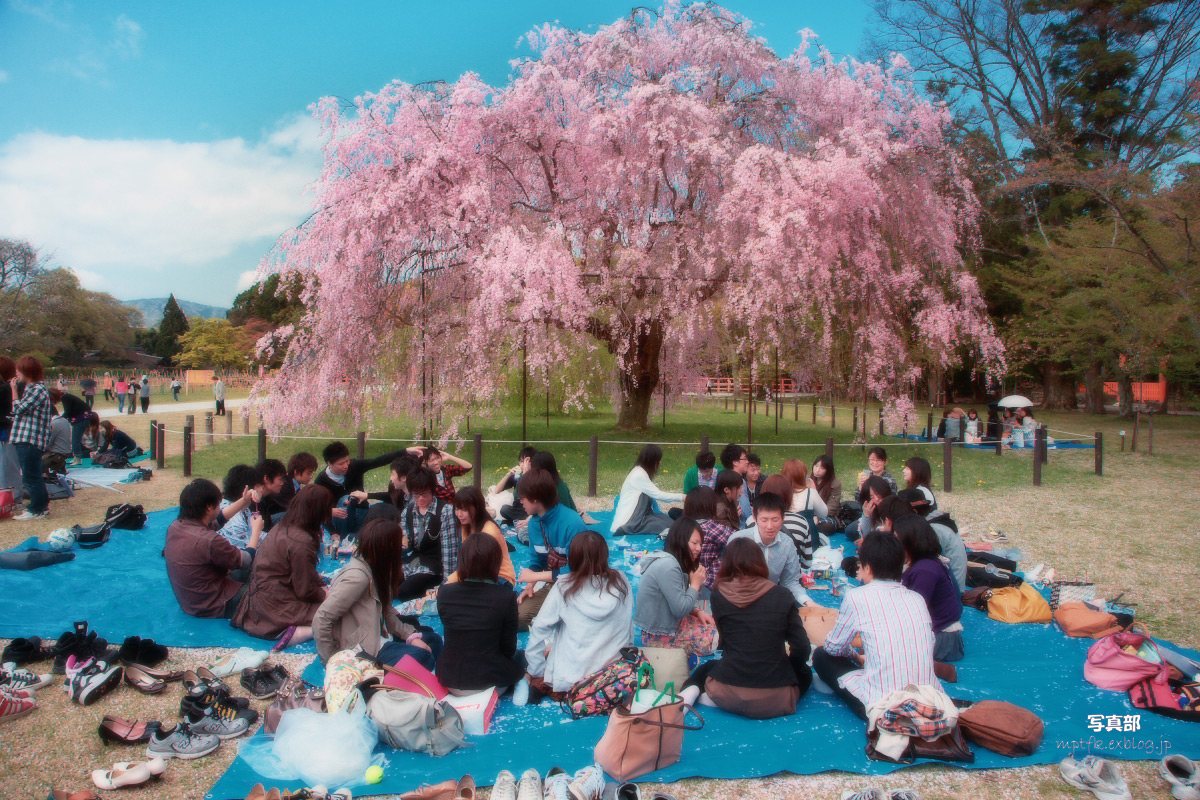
729, 574
44, 430
1013, 427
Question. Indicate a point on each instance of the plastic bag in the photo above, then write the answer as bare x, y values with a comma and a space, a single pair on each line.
316, 748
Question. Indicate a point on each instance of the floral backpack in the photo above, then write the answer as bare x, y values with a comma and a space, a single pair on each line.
614, 685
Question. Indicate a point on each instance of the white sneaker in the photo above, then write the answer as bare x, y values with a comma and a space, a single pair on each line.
505, 787
870, 793
15, 677
28, 515
1096, 775
1184, 776
530, 787
240, 659
588, 784
557, 786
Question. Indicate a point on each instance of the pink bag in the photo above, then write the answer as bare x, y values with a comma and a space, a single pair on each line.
1109, 667
408, 675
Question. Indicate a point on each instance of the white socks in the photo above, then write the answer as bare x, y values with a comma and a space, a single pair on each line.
690, 694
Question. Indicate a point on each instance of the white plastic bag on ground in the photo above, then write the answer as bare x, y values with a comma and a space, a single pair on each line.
315, 748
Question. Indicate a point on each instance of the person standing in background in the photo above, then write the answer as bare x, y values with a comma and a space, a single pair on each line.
31, 434
134, 388
175, 387
122, 389
10, 467
88, 385
219, 395
145, 394
108, 386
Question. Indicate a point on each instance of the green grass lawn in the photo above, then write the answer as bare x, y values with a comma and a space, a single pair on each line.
566, 436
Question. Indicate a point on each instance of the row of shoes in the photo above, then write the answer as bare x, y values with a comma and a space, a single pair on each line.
586, 784
83, 644
1103, 778
259, 792
129, 773
18, 691
875, 793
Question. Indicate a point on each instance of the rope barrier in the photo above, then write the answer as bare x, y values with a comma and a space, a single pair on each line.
1070, 433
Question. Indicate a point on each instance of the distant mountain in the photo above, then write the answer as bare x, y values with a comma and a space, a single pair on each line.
152, 310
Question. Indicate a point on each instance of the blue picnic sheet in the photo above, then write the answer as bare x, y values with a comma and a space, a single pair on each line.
121, 590
1058, 444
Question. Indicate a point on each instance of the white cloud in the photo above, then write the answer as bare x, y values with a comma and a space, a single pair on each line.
128, 35
247, 279
117, 209
3, 76
88, 279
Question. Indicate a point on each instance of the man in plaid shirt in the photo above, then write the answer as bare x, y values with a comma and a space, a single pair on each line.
445, 469
31, 434
431, 537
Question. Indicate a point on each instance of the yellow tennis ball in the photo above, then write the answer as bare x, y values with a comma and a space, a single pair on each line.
374, 774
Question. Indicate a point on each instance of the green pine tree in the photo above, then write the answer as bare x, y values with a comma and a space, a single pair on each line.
174, 325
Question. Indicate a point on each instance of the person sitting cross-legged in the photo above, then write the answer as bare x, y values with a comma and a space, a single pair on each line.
894, 624
756, 676
200, 560
783, 562
343, 478
431, 537
668, 596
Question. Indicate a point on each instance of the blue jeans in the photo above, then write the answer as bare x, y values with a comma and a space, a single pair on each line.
77, 430
120, 403
30, 458
392, 652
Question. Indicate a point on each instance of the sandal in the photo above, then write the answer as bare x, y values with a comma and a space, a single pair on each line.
136, 677
167, 676
114, 730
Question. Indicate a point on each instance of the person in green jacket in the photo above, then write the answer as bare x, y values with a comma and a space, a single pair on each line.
704, 473
544, 460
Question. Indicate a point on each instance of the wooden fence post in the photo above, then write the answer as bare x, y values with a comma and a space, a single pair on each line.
1099, 453
704, 443
1137, 423
1037, 463
1043, 444
593, 464
153, 438
187, 451
947, 466
929, 437
1150, 438
190, 422
814, 422
160, 446
881, 422
478, 463
208, 426
246, 423
362, 444
832, 416
854, 427
829, 446
262, 444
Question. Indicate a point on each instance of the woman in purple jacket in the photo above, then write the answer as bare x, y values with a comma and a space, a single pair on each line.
929, 577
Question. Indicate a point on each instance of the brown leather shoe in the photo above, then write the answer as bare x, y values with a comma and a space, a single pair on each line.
138, 678
466, 788
114, 730
445, 790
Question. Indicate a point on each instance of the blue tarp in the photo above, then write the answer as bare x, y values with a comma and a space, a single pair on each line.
121, 590
1059, 444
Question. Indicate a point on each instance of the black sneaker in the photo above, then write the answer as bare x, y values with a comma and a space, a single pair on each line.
26, 650
70, 643
203, 701
192, 679
143, 652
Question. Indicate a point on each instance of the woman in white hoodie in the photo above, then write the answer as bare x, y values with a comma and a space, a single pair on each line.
586, 620
635, 511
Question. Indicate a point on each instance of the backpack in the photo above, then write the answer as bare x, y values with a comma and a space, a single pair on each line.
408, 721
1174, 699
614, 685
849, 511
125, 517
110, 460
1018, 604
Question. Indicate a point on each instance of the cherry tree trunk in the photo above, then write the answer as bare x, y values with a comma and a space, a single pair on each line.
1058, 390
1094, 380
637, 376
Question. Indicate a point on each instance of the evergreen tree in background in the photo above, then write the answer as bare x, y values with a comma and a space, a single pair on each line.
165, 341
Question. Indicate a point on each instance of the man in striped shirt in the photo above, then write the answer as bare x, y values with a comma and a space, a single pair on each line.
897, 635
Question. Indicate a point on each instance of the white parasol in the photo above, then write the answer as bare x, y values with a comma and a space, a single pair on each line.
1015, 401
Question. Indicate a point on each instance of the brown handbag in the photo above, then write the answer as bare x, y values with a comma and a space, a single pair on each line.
295, 693
950, 746
1080, 620
636, 744
1002, 728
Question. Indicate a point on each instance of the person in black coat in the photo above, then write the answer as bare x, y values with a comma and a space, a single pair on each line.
343, 477
755, 677
479, 621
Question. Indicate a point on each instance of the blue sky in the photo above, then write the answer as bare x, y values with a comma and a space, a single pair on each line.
158, 147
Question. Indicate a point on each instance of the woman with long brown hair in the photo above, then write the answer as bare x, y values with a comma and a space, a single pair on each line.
358, 611
756, 676
285, 590
586, 620
829, 489
471, 515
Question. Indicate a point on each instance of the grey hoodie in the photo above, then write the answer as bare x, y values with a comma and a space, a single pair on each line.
664, 596
584, 632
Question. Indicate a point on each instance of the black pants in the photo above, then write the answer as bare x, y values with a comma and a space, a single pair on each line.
145, 405
513, 514
799, 666
221, 407
108, 395
90, 399
829, 669
415, 586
